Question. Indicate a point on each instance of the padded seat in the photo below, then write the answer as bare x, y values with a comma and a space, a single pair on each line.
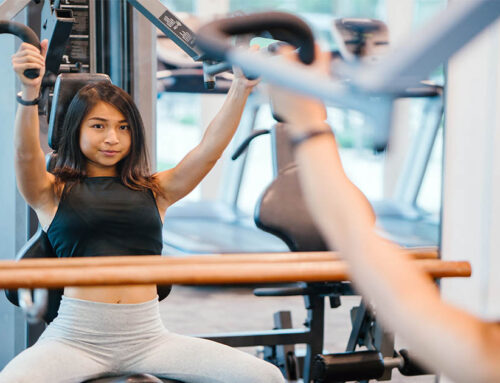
281, 209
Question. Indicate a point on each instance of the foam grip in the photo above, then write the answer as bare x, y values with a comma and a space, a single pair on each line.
360, 365
27, 35
410, 367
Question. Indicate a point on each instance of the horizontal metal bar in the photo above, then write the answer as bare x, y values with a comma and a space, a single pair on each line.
131, 260
262, 338
201, 274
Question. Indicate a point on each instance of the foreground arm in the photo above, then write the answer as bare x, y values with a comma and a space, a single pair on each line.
183, 178
407, 301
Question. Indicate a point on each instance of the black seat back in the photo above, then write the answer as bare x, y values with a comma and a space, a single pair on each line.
66, 87
281, 209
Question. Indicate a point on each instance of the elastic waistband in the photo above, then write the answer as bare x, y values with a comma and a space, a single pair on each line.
107, 317
91, 305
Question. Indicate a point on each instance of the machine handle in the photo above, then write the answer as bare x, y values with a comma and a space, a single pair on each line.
27, 35
212, 38
244, 145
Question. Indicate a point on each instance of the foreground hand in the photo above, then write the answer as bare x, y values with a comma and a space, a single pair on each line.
300, 112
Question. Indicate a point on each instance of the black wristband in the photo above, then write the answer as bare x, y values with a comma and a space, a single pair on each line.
299, 139
27, 103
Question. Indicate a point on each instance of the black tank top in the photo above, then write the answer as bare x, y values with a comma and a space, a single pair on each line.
100, 216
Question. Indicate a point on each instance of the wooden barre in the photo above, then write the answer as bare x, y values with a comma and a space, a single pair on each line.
314, 256
202, 274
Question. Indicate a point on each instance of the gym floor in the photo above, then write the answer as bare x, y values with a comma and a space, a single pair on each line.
206, 310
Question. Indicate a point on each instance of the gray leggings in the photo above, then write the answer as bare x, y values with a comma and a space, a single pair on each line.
91, 339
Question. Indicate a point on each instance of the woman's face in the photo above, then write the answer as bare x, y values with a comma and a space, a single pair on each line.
104, 139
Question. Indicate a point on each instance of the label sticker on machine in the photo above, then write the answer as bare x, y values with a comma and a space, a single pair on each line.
178, 28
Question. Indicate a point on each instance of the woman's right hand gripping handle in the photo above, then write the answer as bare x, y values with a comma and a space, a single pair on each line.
29, 57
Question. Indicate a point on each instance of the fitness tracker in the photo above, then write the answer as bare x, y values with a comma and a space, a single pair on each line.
25, 102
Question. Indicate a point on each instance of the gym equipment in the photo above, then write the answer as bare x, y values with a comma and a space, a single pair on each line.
310, 256
16, 275
281, 211
57, 26
366, 40
182, 35
222, 227
359, 39
391, 75
217, 270
364, 333
25, 34
362, 365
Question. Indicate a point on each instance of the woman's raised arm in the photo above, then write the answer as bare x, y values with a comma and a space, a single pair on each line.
180, 180
34, 182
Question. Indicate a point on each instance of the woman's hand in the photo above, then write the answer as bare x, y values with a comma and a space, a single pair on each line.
29, 57
300, 112
241, 80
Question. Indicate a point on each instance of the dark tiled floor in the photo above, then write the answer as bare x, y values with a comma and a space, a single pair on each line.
204, 310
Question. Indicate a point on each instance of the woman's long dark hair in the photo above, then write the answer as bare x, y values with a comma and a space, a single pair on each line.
70, 166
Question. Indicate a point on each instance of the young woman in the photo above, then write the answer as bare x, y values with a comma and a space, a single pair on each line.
445, 338
102, 200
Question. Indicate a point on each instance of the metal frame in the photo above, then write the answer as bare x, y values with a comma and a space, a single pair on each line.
92, 32
10, 8
161, 17
90, 8
312, 335
367, 331
233, 175
416, 162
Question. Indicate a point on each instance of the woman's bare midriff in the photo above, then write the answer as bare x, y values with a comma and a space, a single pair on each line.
127, 294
